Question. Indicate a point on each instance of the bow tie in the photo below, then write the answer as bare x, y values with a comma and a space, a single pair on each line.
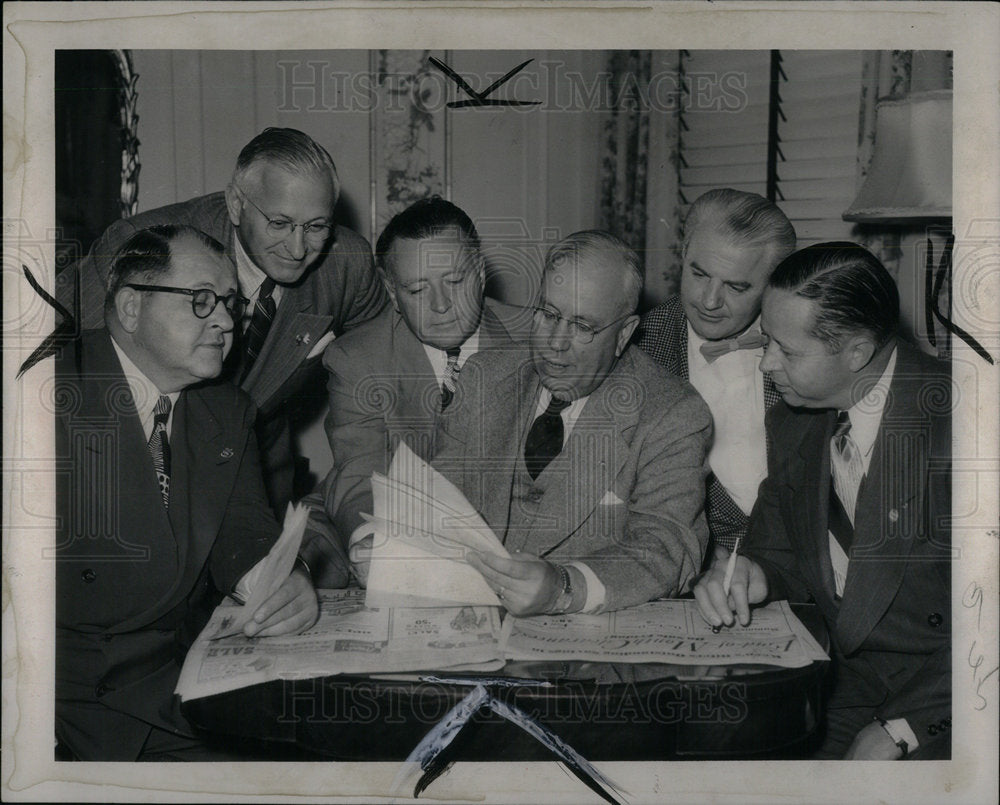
714, 349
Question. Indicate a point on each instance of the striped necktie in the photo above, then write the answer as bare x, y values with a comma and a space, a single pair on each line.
844, 483
260, 323
159, 447
450, 378
545, 438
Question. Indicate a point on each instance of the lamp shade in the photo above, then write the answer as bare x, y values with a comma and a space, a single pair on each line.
910, 174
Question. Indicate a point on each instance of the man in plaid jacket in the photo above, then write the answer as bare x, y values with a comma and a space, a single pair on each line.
710, 335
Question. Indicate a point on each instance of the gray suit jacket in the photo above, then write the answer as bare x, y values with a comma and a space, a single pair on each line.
338, 292
626, 494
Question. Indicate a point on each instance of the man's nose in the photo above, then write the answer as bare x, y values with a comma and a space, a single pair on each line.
768, 362
559, 336
296, 242
440, 299
712, 298
221, 317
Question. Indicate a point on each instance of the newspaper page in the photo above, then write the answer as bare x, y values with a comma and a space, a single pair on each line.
667, 632
348, 638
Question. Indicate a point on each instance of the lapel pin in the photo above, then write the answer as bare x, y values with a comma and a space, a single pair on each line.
227, 452
893, 515
303, 338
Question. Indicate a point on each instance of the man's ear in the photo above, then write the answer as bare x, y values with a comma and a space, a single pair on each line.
234, 204
128, 307
625, 333
860, 350
387, 283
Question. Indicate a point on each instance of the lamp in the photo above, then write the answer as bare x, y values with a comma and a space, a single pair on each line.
910, 176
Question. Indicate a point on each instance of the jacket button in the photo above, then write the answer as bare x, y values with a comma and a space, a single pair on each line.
932, 729
101, 689
935, 619
88, 575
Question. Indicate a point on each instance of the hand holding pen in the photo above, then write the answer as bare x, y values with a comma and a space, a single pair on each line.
731, 585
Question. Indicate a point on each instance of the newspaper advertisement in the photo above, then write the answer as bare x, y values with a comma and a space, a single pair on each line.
664, 631
348, 638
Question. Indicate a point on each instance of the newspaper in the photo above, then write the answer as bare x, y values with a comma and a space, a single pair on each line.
348, 638
663, 632
422, 528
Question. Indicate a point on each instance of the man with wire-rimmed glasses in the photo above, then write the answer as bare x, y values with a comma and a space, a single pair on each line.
586, 459
160, 500
307, 280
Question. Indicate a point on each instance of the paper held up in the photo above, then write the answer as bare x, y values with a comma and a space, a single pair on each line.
421, 530
269, 573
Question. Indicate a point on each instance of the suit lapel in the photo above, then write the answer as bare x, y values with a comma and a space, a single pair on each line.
414, 377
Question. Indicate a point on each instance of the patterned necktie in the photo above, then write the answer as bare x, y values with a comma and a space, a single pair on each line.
545, 439
159, 447
844, 483
260, 323
450, 378
716, 349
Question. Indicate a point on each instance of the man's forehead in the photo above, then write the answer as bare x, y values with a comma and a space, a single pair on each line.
196, 264
443, 250
587, 287
747, 259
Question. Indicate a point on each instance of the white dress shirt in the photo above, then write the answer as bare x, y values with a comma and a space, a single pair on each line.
733, 387
439, 358
596, 591
144, 392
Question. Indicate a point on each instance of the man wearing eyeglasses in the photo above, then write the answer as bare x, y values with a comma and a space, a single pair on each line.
390, 378
586, 460
161, 505
307, 279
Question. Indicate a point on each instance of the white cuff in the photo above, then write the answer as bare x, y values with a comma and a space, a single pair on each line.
241, 592
899, 729
596, 592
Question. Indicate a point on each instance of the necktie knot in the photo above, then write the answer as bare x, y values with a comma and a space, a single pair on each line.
842, 431
556, 406
450, 379
716, 349
266, 289
161, 412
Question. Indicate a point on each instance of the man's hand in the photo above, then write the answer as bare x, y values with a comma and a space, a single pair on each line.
873, 743
291, 609
524, 583
749, 586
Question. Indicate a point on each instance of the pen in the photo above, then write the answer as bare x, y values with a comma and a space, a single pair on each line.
728, 579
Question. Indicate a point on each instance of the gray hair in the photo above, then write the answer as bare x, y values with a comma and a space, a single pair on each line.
596, 243
744, 219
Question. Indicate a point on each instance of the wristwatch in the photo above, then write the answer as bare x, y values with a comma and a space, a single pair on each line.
896, 739
565, 598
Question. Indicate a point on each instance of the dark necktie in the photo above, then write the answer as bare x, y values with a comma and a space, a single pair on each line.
545, 439
260, 323
159, 447
450, 376
716, 349
840, 522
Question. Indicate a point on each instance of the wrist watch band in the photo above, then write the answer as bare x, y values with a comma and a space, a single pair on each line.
565, 598
896, 739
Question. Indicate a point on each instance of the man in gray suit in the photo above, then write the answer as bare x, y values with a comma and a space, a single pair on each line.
307, 279
390, 378
583, 456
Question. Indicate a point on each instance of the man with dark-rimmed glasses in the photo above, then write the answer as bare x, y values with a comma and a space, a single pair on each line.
160, 501
307, 280
586, 460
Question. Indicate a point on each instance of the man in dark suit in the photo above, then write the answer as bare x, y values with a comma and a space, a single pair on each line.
161, 503
854, 512
391, 377
307, 279
710, 335
585, 459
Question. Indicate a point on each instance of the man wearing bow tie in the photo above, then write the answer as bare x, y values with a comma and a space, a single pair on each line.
307, 279
710, 335
161, 503
390, 378
586, 460
855, 510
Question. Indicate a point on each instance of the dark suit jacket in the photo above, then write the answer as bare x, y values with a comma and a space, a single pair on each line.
891, 631
625, 494
338, 292
663, 335
132, 582
383, 390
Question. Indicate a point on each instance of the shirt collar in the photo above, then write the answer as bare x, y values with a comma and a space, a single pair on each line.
695, 341
144, 391
439, 357
866, 413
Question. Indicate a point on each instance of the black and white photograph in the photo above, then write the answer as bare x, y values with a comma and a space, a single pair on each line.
511, 404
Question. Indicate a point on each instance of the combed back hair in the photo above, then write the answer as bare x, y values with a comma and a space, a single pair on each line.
743, 219
600, 245
424, 219
852, 290
290, 149
146, 255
